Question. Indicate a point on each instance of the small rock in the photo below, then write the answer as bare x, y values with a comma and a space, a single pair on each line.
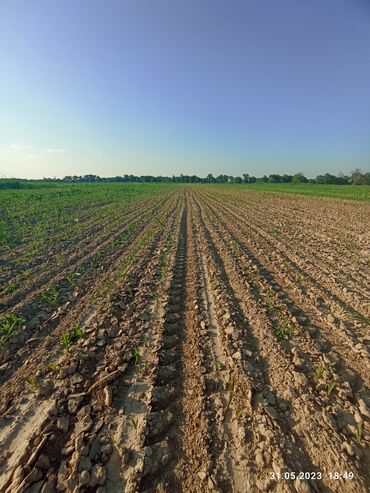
63, 423
348, 448
98, 475
84, 464
302, 486
74, 403
113, 331
107, 396
363, 408
84, 478
50, 485
202, 475
43, 462
237, 355
271, 411
330, 318
76, 378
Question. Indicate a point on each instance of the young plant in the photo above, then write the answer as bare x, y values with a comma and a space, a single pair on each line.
135, 424
50, 295
72, 335
135, 353
9, 323
329, 387
358, 432
269, 302
275, 232
70, 279
319, 372
33, 382
230, 387
285, 330
11, 287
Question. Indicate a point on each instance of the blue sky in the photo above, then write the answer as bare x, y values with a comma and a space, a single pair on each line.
168, 86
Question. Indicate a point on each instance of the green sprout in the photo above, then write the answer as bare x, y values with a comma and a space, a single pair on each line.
70, 279
285, 330
358, 432
135, 424
11, 287
319, 371
269, 302
7, 326
135, 353
33, 382
50, 295
72, 335
230, 387
329, 387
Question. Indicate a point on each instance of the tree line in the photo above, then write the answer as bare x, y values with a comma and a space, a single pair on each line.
355, 178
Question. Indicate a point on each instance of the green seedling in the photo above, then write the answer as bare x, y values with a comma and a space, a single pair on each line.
238, 411
285, 330
219, 366
269, 302
32, 381
135, 424
26, 273
143, 367
275, 232
72, 335
53, 367
230, 387
11, 287
70, 279
50, 295
59, 259
135, 353
154, 295
9, 323
329, 387
319, 372
358, 432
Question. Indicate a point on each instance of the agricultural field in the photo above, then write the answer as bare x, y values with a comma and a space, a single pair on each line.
183, 338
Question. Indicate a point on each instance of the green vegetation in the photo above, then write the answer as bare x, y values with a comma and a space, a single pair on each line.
72, 335
350, 192
285, 330
8, 325
330, 387
358, 432
50, 295
33, 383
319, 372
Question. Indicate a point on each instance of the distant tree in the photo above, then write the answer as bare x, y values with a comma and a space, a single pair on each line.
287, 178
246, 178
238, 179
275, 178
299, 178
357, 177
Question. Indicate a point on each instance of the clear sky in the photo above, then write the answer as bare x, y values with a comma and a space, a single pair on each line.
192, 86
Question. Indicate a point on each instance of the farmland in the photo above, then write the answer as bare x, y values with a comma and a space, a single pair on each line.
195, 338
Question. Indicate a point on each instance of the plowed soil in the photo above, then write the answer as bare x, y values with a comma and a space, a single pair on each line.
223, 347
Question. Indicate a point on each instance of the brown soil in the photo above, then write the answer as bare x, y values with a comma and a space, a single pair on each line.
225, 348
